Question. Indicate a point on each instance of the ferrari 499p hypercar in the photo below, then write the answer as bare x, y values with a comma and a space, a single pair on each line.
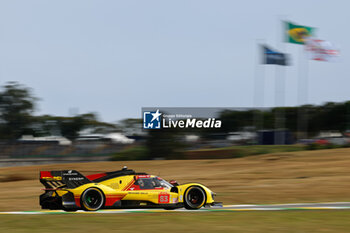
69, 190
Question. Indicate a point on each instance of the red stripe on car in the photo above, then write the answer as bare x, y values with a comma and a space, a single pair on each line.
111, 199
96, 176
77, 201
128, 185
45, 174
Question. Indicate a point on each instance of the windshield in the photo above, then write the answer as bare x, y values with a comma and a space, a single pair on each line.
152, 183
164, 183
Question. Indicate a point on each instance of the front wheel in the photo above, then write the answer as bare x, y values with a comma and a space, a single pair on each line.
92, 199
194, 198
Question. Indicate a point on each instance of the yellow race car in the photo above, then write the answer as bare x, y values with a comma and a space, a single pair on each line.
70, 190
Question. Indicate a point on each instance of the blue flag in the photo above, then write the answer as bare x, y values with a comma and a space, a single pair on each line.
273, 57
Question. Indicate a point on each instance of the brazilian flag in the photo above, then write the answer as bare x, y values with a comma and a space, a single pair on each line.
296, 33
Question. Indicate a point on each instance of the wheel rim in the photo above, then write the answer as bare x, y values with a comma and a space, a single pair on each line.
93, 199
195, 198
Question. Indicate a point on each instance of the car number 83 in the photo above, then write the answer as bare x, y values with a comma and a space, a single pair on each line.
163, 198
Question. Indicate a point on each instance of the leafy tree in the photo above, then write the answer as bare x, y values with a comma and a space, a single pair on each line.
16, 107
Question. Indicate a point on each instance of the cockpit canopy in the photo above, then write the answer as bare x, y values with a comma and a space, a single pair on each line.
152, 183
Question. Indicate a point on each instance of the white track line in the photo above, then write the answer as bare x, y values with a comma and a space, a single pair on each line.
228, 208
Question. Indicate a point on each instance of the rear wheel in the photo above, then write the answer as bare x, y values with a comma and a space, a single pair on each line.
92, 199
194, 198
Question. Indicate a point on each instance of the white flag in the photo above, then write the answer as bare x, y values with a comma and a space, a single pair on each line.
321, 50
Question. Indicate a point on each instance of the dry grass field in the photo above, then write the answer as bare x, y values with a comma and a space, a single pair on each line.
303, 176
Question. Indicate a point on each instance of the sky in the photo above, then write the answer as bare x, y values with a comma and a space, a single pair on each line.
114, 57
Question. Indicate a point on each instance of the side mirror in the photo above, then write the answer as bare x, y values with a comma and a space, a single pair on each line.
173, 182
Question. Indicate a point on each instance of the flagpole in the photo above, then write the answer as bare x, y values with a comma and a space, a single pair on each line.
259, 87
280, 76
279, 104
298, 37
302, 94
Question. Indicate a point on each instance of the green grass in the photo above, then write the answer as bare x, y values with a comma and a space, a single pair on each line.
252, 221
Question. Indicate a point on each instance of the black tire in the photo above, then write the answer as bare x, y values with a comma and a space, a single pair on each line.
51, 205
69, 210
194, 198
92, 199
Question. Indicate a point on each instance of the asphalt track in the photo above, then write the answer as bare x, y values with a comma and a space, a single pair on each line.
225, 208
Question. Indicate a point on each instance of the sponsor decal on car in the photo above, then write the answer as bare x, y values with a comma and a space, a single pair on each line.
143, 176
75, 178
163, 198
52, 178
70, 173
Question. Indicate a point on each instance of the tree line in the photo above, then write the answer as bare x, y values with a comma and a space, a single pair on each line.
312, 118
18, 105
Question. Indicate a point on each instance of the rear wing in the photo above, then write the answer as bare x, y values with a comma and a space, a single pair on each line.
62, 179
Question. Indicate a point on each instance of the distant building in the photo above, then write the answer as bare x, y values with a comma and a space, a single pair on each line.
47, 139
110, 137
